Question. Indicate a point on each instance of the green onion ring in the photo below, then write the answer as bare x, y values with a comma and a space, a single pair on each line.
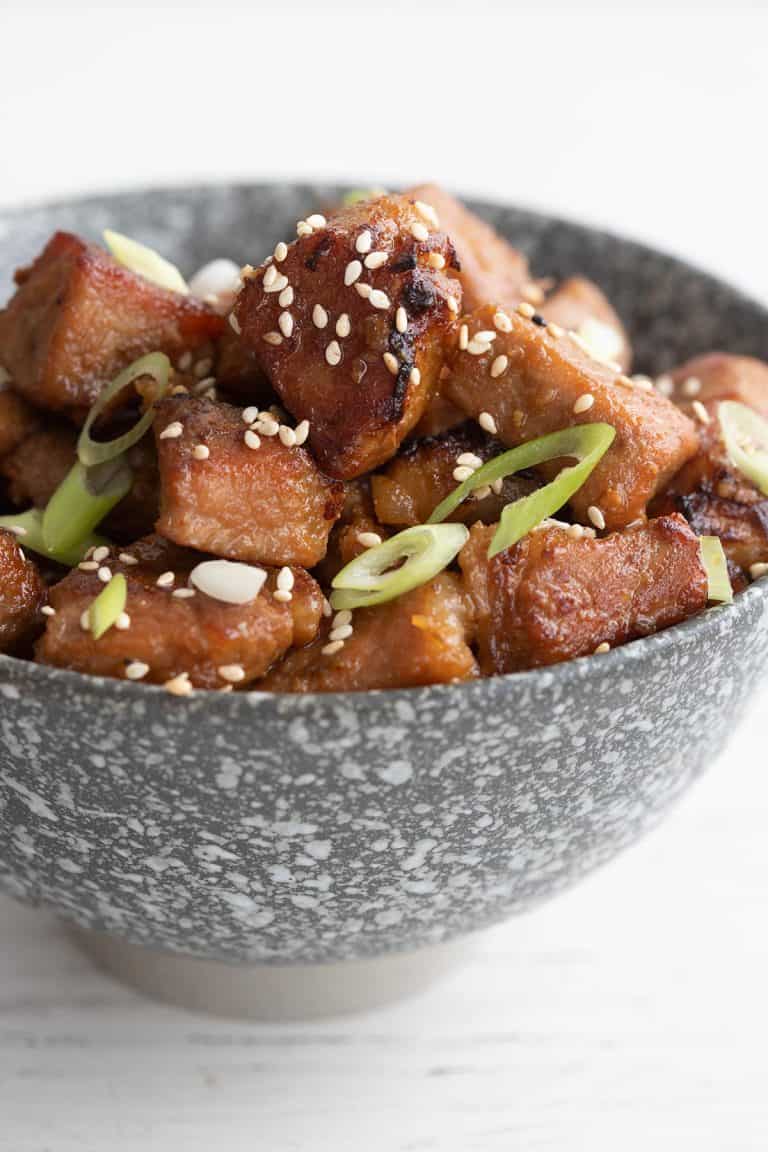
716, 566
31, 537
81, 501
588, 443
371, 578
741, 427
108, 605
91, 451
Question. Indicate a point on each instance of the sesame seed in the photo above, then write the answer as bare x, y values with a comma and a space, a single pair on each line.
665, 385
285, 579
401, 320
287, 436
419, 231
463, 337
104, 574
583, 404
165, 580
453, 304
327, 610
623, 380
179, 685
126, 558
427, 212
282, 595
285, 324
233, 323
533, 293
123, 622
487, 423
391, 363
201, 452
172, 431
363, 290
17, 530
285, 299
47, 610
343, 632
575, 531
602, 648
247, 272
100, 553
316, 220
369, 539
334, 646
499, 366
379, 299
477, 348
525, 309
281, 251
333, 353
278, 284
273, 338
502, 322
462, 473
596, 516
203, 368
342, 617
691, 386
319, 316
415, 377
644, 383
270, 276
364, 242
481, 493
376, 260
470, 459
700, 412
179, 390
756, 571
267, 426
485, 336
497, 486
136, 670
183, 593
352, 272
302, 431
436, 260
232, 673
303, 228
343, 325
249, 414
555, 331
85, 620
251, 439
185, 362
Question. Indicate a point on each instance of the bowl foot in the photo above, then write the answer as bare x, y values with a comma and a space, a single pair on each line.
269, 991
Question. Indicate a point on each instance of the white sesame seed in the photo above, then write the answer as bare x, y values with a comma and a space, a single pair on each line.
270, 276
700, 412
596, 516
756, 571
100, 553
462, 473
16, 530
484, 337
391, 362
343, 325
525, 309
333, 353
278, 284
364, 242
281, 251
123, 622
285, 579
453, 304
342, 617
179, 685
369, 539
555, 331
665, 385
376, 260
327, 610
401, 319
285, 299
363, 290
343, 632
251, 439
419, 231
623, 380
282, 595
436, 260
179, 390
232, 673
644, 383
136, 670
303, 228
502, 322
165, 580
427, 212
575, 531
233, 323
691, 386
352, 272
379, 299
334, 646
247, 272
126, 558
487, 423
497, 486
477, 348
47, 610
267, 426
104, 574
602, 648
273, 338
316, 220
203, 367
88, 565
302, 431
287, 436
470, 459
481, 493
183, 593
85, 620
172, 431
463, 337
415, 377
201, 451
285, 324
185, 362
499, 366
583, 404
319, 316
249, 414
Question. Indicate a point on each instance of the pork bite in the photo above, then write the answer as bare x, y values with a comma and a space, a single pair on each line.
17, 420
422, 475
22, 594
356, 529
420, 638
532, 380
720, 376
580, 307
349, 325
172, 629
555, 596
489, 267
78, 318
240, 493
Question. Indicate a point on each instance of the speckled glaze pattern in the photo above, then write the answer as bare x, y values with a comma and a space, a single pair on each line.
274, 829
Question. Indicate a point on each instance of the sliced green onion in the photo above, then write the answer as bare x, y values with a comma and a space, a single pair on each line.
92, 451
145, 262
746, 441
716, 567
108, 605
373, 578
355, 195
588, 443
81, 501
31, 536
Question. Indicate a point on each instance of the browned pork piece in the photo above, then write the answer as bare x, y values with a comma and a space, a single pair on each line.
422, 475
21, 594
440, 415
421, 638
531, 381
579, 306
168, 632
17, 420
78, 318
349, 323
236, 492
554, 596
721, 376
238, 372
490, 268
356, 529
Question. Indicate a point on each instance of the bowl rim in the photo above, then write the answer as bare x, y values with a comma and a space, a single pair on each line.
689, 631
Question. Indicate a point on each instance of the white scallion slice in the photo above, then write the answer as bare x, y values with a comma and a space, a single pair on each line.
82, 500
746, 441
90, 451
108, 606
402, 563
716, 566
30, 536
145, 262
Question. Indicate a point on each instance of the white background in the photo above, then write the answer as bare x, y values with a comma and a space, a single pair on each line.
633, 1011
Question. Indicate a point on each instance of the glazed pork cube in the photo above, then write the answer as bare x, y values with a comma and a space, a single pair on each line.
532, 381
17, 420
238, 371
172, 629
422, 475
440, 415
78, 318
21, 594
349, 324
490, 268
580, 307
720, 376
355, 530
420, 638
236, 492
556, 595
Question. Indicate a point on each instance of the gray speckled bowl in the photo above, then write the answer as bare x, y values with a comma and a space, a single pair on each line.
271, 829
